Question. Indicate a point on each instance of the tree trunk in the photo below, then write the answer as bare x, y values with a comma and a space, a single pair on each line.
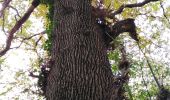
81, 70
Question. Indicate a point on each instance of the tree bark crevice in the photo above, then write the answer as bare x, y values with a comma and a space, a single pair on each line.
81, 70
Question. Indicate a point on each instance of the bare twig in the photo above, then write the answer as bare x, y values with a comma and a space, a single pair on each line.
150, 67
145, 84
36, 43
122, 7
18, 24
15, 10
153, 74
27, 38
164, 12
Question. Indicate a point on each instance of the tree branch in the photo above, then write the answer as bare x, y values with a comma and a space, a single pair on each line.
126, 25
163, 9
150, 67
18, 24
144, 82
15, 10
27, 38
122, 7
4, 5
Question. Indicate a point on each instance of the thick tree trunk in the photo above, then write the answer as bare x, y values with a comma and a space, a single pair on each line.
81, 70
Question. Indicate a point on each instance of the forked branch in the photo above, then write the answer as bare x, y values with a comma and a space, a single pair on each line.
18, 24
28, 38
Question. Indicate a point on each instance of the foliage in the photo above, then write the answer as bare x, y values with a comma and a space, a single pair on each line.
153, 28
49, 23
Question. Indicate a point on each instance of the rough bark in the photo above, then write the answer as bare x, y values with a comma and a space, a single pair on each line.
81, 70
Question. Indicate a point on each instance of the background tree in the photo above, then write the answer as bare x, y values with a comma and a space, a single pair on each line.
80, 35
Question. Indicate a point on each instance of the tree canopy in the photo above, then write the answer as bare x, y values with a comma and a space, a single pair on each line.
138, 30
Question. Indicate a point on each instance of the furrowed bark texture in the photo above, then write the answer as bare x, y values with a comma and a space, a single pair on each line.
81, 70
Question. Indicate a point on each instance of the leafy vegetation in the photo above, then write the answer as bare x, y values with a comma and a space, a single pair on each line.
153, 25
49, 23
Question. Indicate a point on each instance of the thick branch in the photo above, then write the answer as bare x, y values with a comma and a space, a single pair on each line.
18, 24
122, 7
126, 25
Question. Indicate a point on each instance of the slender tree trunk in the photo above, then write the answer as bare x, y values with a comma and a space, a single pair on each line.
81, 69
